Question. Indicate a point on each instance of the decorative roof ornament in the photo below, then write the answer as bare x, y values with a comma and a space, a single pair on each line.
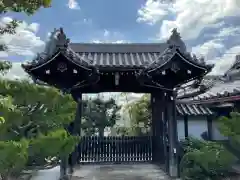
57, 39
62, 40
202, 60
176, 41
194, 58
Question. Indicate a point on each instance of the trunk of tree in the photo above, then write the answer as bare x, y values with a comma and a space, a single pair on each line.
101, 132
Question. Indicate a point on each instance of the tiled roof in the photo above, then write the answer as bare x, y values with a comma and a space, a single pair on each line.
190, 91
221, 89
68, 53
192, 110
119, 55
132, 55
235, 65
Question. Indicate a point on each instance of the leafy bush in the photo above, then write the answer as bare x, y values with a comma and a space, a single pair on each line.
205, 160
13, 157
54, 144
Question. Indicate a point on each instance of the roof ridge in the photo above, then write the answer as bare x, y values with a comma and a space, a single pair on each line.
119, 44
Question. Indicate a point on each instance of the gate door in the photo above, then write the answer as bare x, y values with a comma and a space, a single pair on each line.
97, 149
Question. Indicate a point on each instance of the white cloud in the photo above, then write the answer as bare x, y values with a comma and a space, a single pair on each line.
73, 4
110, 41
106, 33
153, 11
216, 52
110, 37
209, 49
193, 17
34, 27
16, 72
223, 63
189, 16
3, 54
228, 31
25, 42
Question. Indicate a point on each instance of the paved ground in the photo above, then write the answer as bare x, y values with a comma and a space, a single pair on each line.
120, 172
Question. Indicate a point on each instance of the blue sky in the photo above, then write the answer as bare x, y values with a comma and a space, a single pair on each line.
92, 20
210, 28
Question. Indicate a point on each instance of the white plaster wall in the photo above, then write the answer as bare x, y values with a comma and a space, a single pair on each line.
196, 126
216, 135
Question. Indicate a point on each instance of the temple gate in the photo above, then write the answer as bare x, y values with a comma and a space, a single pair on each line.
158, 69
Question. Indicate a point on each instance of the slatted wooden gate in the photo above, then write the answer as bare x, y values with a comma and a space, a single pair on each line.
115, 149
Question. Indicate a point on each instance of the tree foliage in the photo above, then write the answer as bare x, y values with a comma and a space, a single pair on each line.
37, 112
32, 117
5, 66
36, 115
205, 160
99, 114
140, 113
230, 127
13, 157
27, 114
58, 144
26, 6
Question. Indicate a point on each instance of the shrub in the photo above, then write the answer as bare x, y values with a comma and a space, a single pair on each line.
13, 158
55, 144
204, 160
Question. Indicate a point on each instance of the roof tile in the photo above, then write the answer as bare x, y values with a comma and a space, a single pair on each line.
192, 110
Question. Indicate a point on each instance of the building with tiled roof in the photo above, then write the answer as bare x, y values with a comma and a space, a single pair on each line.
221, 94
218, 90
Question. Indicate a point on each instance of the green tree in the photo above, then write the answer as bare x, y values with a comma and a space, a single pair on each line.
32, 117
43, 109
34, 114
99, 114
205, 160
31, 131
230, 127
213, 160
140, 113
27, 6
13, 158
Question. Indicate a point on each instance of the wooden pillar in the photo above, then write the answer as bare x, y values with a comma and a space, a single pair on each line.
74, 128
165, 138
78, 117
157, 101
173, 134
210, 127
186, 126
